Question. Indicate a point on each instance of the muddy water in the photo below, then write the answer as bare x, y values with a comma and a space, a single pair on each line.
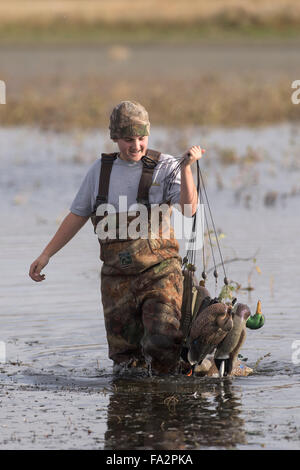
57, 389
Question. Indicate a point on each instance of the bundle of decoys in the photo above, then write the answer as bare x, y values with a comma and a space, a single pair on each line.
211, 326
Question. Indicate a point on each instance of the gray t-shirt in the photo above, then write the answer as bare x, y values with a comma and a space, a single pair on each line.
124, 181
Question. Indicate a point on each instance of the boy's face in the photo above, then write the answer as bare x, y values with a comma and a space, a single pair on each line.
132, 149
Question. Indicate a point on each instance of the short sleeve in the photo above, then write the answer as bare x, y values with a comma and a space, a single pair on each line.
172, 184
83, 204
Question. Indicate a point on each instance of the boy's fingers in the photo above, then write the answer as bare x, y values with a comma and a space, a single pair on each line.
31, 270
38, 277
34, 267
195, 149
34, 272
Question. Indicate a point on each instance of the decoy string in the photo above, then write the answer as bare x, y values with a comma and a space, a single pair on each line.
213, 224
191, 252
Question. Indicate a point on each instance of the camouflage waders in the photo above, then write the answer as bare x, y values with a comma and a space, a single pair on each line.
142, 314
141, 286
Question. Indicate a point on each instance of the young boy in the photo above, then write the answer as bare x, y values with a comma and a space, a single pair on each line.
141, 278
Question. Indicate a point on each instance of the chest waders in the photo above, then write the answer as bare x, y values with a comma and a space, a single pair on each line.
141, 283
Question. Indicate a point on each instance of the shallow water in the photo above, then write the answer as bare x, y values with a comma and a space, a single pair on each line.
57, 390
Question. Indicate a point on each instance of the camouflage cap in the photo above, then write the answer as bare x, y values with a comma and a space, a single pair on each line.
129, 119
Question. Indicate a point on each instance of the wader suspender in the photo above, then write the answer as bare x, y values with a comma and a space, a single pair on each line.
107, 161
149, 163
147, 173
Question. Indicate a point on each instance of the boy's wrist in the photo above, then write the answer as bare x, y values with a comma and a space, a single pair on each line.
186, 164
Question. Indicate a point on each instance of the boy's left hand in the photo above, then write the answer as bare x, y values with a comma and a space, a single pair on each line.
193, 154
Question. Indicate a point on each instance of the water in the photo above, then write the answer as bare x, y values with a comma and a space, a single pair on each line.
57, 390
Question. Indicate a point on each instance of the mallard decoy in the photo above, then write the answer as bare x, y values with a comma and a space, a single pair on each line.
202, 299
208, 329
195, 299
227, 350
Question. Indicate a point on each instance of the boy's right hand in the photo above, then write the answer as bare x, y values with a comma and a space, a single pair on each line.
37, 266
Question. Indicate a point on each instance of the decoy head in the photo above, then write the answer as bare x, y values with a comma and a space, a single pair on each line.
224, 319
242, 311
256, 321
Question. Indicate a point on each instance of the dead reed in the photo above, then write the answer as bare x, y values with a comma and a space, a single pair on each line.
171, 102
147, 20
163, 11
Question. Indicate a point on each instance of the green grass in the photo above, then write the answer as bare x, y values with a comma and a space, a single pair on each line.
60, 32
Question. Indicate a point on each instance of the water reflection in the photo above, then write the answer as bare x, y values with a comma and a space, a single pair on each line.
186, 414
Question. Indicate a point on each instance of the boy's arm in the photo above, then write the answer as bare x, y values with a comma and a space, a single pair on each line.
67, 229
188, 191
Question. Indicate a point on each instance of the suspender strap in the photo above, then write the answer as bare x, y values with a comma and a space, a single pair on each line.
149, 161
107, 161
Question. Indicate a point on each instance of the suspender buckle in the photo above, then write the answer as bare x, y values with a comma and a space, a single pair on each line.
148, 162
144, 202
101, 200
